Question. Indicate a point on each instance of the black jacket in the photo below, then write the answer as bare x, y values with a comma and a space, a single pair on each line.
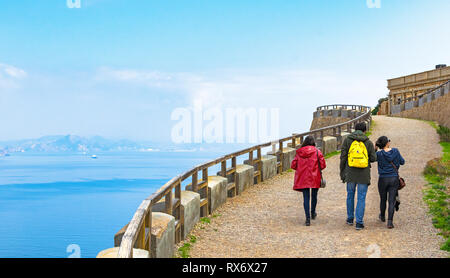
351, 174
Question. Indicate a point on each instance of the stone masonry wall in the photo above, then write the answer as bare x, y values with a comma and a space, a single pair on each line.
437, 110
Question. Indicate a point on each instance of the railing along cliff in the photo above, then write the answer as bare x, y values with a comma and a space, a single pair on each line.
418, 101
138, 232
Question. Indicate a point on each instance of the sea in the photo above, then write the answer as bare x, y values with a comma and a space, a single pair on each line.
71, 205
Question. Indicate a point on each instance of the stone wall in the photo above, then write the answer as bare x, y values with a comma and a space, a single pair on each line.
436, 110
384, 108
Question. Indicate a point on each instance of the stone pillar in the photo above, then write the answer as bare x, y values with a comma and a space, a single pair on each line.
190, 210
268, 167
244, 177
217, 191
163, 235
342, 138
288, 156
112, 253
329, 145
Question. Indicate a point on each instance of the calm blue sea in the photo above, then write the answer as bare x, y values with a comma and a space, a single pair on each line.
49, 202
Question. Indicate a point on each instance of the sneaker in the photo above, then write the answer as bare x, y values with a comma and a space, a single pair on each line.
359, 226
313, 215
390, 225
382, 218
350, 222
307, 222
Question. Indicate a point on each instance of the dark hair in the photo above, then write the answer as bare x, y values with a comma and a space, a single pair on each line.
361, 126
309, 141
382, 142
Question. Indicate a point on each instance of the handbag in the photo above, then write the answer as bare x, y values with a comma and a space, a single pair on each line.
323, 182
402, 182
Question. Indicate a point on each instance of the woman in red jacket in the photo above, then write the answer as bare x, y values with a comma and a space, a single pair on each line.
307, 175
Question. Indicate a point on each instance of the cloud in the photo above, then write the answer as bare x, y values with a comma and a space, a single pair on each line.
257, 87
10, 75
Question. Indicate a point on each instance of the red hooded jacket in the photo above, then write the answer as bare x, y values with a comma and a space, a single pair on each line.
307, 174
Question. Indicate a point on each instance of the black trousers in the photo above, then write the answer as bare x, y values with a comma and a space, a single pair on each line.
306, 197
388, 189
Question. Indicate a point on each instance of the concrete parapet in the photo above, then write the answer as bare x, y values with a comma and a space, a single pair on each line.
395, 109
112, 253
329, 144
163, 235
244, 175
342, 138
409, 105
190, 210
288, 156
336, 113
268, 167
422, 101
345, 113
217, 191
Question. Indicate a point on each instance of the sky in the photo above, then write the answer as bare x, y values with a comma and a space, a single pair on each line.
119, 68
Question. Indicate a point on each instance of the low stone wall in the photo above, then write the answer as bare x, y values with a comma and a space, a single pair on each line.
437, 109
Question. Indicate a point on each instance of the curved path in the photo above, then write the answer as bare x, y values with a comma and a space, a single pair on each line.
267, 220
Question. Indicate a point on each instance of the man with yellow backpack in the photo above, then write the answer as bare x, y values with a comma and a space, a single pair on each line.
357, 152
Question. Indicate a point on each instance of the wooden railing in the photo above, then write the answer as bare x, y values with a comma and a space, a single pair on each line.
138, 232
399, 107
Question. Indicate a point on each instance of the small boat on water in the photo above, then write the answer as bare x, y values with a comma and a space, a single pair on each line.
94, 156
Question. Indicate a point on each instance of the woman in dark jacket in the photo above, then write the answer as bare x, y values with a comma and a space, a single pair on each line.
388, 181
307, 175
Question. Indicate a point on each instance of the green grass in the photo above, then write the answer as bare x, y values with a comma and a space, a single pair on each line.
446, 150
332, 154
436, 193
183, 251
205, 220
372, 126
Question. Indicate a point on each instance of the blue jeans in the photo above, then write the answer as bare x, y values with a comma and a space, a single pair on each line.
360, 206
306, 197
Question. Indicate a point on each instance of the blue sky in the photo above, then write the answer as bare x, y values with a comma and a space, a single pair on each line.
118, 68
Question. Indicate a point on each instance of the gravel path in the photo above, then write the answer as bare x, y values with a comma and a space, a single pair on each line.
267, 220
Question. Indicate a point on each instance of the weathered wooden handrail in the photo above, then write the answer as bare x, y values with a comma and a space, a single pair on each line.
138, 232
414, 98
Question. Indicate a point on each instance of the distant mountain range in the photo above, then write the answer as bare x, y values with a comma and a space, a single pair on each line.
74, 143
70, 143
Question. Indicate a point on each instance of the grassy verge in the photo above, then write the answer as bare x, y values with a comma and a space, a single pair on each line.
436, 193
332, 154
184, 250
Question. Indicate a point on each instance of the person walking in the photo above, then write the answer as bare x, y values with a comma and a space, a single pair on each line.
388, 181
357, 152
307, 179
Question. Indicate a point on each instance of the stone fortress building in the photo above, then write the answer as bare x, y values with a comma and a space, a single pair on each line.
413, 86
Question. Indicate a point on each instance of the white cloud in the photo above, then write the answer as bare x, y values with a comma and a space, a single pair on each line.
9, 76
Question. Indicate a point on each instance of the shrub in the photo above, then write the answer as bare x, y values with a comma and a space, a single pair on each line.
444, 133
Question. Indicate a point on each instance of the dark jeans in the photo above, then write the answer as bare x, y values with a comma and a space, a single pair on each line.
306, 196
388, 189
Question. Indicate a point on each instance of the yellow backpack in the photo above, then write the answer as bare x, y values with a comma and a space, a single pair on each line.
357, 155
